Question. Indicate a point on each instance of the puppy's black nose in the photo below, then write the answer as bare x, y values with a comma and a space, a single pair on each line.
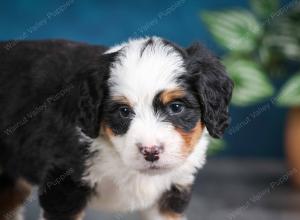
151, 153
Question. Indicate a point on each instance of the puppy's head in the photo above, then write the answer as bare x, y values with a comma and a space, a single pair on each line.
160, 100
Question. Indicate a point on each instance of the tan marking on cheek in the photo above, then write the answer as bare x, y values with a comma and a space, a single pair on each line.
107, 131
190, 138
170, 95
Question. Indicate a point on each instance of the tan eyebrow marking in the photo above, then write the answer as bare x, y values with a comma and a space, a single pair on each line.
170, 95
122, 100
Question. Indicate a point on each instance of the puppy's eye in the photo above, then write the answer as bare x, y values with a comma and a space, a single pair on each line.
125, 111
176, 108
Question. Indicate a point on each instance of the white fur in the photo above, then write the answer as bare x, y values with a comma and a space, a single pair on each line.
17, 214
41, 215
122, 189
119, 171
140, 79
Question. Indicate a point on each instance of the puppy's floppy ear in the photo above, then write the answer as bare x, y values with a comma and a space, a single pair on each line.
92, 91
212, 86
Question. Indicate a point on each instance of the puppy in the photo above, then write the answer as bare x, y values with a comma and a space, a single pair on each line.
120, 129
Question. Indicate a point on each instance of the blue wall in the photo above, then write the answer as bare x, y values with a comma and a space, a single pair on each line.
110, 22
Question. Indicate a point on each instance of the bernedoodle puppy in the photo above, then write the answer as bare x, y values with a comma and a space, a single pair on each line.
120, 129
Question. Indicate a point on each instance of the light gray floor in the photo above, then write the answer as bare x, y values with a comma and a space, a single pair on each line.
229, 189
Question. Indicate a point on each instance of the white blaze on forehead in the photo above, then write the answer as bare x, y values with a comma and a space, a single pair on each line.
138, 75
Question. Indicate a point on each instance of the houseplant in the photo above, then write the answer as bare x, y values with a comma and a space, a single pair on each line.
261, 44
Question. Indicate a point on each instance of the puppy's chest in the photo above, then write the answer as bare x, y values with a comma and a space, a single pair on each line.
134, 193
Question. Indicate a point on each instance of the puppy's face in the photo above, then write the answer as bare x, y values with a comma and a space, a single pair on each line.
155, 113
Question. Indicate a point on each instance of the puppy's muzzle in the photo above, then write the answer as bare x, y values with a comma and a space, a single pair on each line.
151, 153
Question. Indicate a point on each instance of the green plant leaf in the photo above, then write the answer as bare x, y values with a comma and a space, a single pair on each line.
287, 44
285, 36
215, 146
251, 84
235, 30
290, 92
264, 8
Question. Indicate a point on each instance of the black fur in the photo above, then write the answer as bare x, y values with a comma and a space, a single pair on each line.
175, 200
47, 89
147, 44
186, 120
176, 48
208, 80
65, 198
112, 118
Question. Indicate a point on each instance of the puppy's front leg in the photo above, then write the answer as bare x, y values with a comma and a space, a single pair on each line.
171, 205
63, 198
13, 193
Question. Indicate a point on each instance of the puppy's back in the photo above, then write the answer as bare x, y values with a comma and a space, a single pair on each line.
30, 73
36, 69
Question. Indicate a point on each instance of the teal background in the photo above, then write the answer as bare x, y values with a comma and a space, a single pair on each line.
111, 22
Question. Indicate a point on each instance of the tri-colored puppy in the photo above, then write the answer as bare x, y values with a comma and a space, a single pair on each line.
121, 129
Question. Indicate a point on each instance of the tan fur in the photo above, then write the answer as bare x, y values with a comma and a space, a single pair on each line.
12, 198
122, 100
170, 95
171, 216
190, 138
79, 216
108, 133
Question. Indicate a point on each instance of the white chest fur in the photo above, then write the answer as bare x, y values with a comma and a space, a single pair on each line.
135, 193
120, 189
